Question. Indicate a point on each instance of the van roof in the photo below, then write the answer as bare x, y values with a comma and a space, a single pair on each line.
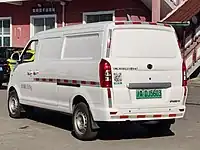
76, 27
98, 26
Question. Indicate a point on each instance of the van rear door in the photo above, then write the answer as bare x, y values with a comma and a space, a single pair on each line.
146, 66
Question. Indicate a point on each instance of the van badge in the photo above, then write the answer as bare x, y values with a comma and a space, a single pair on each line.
149, 66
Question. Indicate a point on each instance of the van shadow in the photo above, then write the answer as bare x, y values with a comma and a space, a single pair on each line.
107, 132
51, 118
131, 131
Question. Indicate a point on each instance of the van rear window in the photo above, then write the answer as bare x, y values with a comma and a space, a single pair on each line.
144, 43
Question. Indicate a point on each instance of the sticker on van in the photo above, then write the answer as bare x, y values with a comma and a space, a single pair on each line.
117, 78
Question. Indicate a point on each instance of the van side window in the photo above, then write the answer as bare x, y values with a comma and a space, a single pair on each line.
29, 53
83, 46
50, 48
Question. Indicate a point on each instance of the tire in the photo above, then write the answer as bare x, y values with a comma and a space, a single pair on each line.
14, 107
81, 115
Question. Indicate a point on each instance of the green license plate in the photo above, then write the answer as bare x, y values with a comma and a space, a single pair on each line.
148, 94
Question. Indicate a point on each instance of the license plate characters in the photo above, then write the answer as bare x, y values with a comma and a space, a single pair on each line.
1, 69
148, 94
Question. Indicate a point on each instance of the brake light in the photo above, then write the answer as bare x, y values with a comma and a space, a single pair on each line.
105, 74
184, 75
137, 22
109, 43
109, 39
179, 44
152, 23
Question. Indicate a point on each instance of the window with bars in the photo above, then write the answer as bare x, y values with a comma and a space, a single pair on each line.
5, 33
98, 17
43, 23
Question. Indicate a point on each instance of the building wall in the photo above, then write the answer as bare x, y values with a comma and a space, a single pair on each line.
20, 18
20, 22
74, 13
75, 9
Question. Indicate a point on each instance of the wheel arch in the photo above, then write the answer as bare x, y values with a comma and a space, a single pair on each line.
13, 88
78, 99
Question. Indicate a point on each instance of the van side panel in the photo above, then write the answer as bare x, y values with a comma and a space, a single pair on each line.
78, 69
43, 87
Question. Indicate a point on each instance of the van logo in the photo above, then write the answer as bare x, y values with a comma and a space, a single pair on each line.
149, 66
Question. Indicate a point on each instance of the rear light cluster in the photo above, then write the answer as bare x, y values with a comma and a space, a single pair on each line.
184, 69
184, 81
184, 75
105, 74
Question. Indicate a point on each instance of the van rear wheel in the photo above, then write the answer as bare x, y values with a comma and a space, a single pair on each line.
82, 123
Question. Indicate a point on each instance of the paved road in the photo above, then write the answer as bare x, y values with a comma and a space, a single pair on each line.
53, 133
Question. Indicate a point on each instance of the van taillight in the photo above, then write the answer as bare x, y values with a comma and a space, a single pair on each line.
184, 75
105, 74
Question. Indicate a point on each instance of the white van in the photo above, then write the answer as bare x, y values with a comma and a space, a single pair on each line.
103, 72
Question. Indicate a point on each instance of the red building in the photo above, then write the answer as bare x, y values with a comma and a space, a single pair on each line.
21, 20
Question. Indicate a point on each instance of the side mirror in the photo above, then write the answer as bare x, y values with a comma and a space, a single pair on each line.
15, 56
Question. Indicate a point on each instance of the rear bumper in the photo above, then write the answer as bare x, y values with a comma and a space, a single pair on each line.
116, 115
146, 117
